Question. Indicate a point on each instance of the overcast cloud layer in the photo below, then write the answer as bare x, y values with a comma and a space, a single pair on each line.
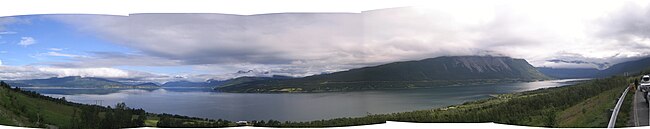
301, 44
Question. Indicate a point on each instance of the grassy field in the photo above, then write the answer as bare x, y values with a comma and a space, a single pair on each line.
151, 121
595, 111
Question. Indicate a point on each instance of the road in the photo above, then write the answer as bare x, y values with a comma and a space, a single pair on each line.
640, 111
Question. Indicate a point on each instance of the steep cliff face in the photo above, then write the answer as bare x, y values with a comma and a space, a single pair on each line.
482, 64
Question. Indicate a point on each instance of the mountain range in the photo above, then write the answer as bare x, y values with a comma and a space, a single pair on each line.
439, 71
78, 82
566, 73
219, 83
94, 82
630, 67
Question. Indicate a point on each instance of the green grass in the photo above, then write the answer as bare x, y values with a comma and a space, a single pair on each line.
151, 122
9, 118
593, 112
625, 116
31, 108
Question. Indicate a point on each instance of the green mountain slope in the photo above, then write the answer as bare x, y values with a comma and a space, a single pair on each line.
441, 68
440, 71
19, 109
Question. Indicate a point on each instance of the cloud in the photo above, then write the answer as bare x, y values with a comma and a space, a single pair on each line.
36, 72
26, 72
616, 36
195, 40
31, 72
111, 59
629, 23
86, 72
599, 65
7, 32
41, 56
26, 41
301, 44
368, 38
0, 62
198, 39
55, 49
62, 54
6, 21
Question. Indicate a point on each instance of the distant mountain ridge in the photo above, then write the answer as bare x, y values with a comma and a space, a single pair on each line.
439, 71
95, 82
184, 83
219, 83
246, 79
565, 73
147, 84
78, 82
631, 67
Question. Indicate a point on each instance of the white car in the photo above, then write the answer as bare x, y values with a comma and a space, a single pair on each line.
644, 86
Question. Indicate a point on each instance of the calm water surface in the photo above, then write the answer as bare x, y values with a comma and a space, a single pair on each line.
205, 103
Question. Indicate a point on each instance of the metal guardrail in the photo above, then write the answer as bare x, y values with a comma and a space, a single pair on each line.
612, 119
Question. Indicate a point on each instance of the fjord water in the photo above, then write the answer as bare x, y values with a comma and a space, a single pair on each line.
205, 103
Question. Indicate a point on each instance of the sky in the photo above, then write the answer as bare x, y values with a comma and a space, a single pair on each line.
198, 47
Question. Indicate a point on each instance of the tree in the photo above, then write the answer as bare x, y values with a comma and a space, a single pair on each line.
121, 106
140, 120
3, 84
109, 122
90, 118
